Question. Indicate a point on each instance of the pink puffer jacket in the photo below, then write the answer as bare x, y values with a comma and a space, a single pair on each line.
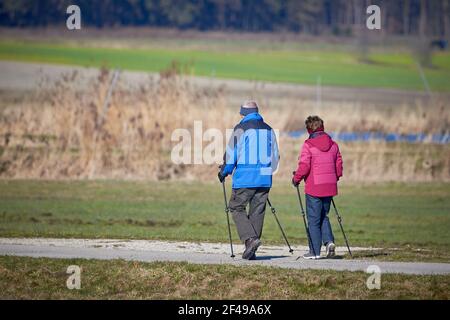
320, 164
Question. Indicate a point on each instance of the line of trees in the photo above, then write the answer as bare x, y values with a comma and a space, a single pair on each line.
339, 17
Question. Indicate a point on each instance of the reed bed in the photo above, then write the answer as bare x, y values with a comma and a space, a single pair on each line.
63, 133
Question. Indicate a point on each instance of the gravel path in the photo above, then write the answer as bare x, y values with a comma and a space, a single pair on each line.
200, 253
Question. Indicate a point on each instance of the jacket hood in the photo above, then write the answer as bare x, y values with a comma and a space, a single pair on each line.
322, 142
252, 116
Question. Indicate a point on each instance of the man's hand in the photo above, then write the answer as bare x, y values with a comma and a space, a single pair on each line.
221, 177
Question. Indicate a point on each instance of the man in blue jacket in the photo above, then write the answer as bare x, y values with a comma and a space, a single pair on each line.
252, 154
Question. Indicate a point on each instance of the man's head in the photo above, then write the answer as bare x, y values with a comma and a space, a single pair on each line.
313, 124
248, 108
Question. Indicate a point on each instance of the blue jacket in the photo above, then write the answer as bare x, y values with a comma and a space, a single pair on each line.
252, 154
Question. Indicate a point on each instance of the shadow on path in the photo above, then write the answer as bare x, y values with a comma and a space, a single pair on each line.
262, 258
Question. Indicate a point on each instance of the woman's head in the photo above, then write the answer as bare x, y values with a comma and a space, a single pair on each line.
313, 124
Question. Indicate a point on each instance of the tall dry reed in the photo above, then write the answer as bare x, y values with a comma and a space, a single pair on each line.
64, 133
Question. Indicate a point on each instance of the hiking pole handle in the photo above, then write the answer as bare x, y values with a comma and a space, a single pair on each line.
298, 193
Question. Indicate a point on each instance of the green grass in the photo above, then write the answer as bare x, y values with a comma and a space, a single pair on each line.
30, 278
386, 215
336, 68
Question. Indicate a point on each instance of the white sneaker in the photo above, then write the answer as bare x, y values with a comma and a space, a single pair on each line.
331, 250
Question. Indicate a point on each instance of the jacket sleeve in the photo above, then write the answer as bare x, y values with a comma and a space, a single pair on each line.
339, 164
275, 152
230, 157
304, 164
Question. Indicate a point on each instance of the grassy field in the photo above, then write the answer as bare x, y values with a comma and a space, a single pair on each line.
409, 217
29, 278
340, 68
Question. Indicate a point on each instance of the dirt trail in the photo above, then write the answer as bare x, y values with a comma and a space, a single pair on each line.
200, 253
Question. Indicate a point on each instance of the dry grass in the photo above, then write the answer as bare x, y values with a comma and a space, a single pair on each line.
430, 118
67, 134
385, 162
29, 278
64, 133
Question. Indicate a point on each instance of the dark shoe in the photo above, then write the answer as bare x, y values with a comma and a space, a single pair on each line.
310, 256
253, 257
251, 245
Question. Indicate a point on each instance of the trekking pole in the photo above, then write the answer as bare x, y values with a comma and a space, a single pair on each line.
227, 210
304, 221
342, 228
279, 225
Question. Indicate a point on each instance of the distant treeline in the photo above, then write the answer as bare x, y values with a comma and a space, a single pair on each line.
339, 17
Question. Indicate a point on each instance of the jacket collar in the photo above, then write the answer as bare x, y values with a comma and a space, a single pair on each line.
252, 116
316, 134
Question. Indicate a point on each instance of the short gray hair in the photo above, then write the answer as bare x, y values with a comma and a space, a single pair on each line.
250, 104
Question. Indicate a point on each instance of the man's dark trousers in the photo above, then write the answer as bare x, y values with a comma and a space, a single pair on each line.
249, 225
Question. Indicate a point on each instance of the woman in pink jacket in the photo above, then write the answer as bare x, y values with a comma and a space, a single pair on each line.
320, 165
